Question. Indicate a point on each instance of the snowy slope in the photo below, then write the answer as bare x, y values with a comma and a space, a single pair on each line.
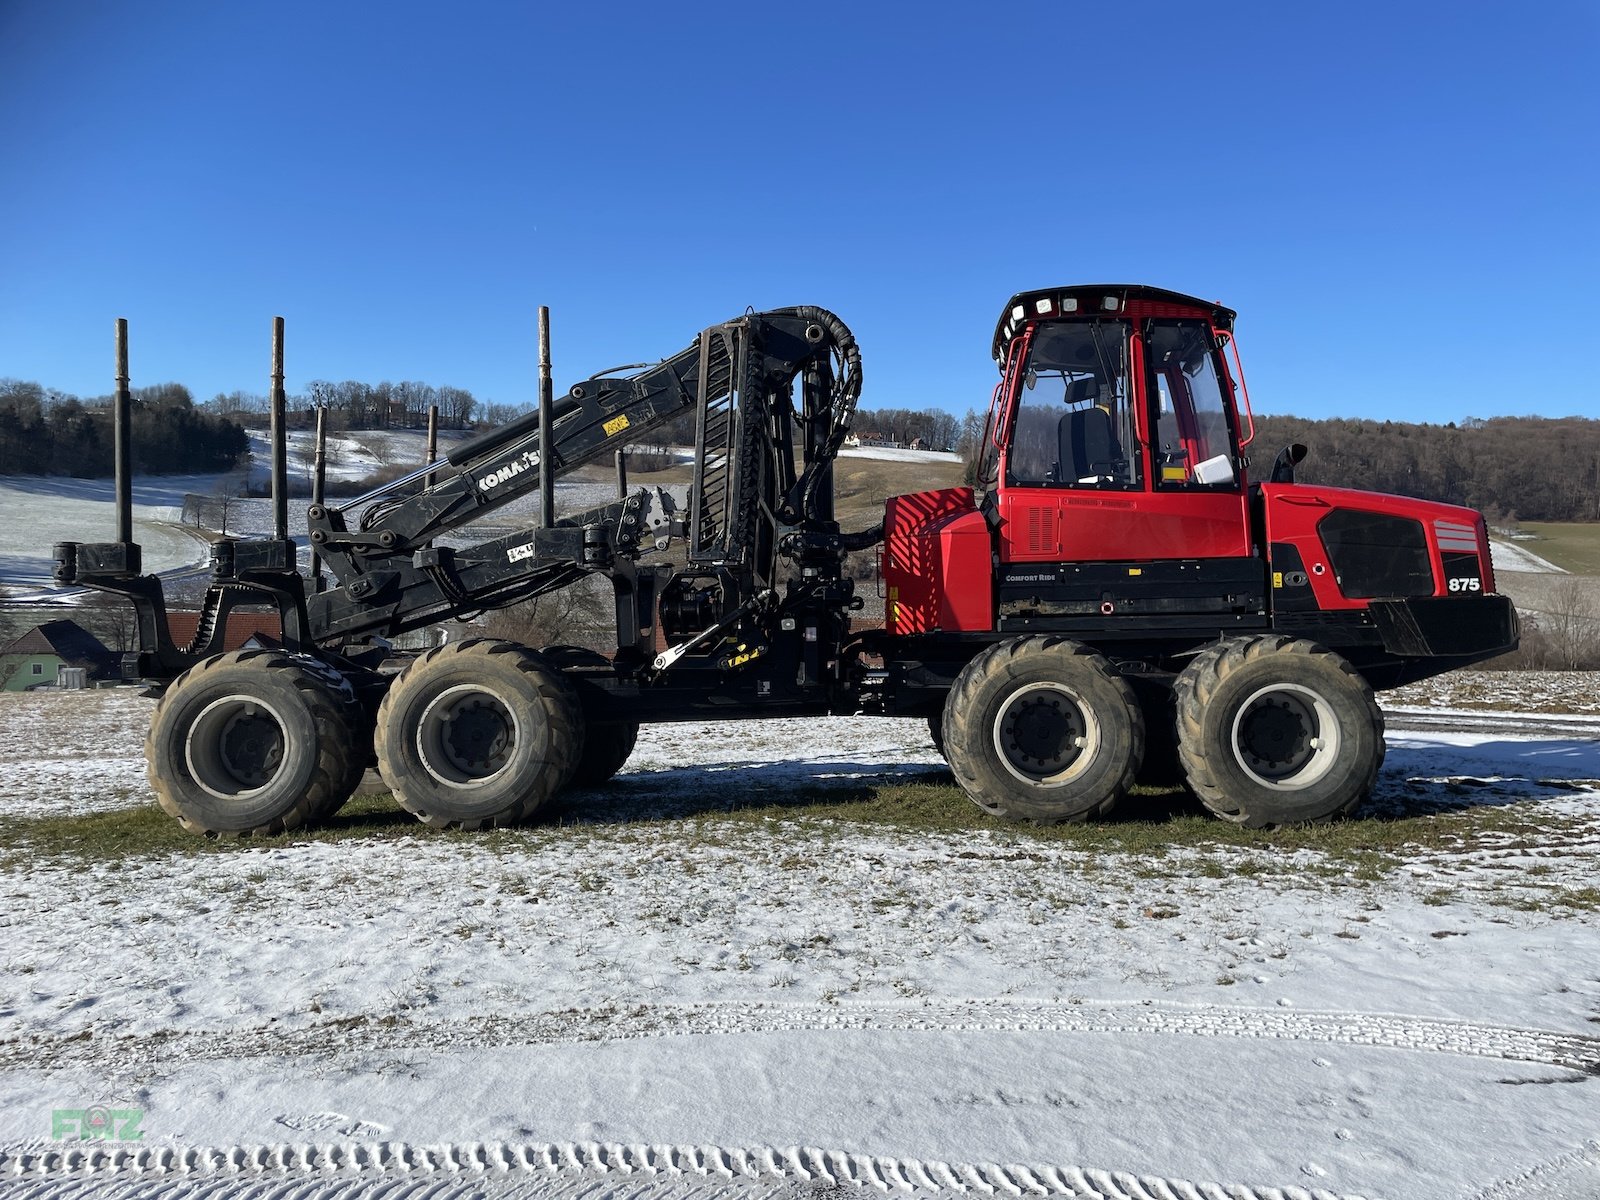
1508, 556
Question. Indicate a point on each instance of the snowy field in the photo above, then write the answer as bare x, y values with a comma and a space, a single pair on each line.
35, 513
647, 996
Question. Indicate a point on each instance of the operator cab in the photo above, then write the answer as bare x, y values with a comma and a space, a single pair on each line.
1113, 432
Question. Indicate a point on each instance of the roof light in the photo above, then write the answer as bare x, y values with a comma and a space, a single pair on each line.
1069, 304
1109, 304
1043, 307
1019, 313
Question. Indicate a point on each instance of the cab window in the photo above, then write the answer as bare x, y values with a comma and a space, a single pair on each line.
1192, 428
1074, 420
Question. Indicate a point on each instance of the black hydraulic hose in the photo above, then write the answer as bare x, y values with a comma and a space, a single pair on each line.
847, 390
866, 539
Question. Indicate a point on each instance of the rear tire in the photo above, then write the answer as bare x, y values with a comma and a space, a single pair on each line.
359, 722
607, 745
1273, 730
251, 742
1043, 729
477, 734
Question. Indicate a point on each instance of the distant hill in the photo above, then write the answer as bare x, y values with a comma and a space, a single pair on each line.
1528, 468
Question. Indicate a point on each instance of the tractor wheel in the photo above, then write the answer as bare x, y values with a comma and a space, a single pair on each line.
252, 742
606, 744
359, 721
1277, 731
478, 733
1043, 729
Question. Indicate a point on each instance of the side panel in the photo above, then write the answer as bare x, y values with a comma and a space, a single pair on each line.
1049, 525
925, 536
966, 573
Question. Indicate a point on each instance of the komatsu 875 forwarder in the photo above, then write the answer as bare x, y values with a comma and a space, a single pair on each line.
1116, 593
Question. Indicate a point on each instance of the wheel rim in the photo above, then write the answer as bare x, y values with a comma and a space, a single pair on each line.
1044, 734
236, 747
1285, 736
467, 736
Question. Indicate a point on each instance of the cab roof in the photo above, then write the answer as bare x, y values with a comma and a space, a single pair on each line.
1094, 299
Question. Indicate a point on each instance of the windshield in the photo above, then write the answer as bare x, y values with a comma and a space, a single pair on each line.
1074, 424
1192, 415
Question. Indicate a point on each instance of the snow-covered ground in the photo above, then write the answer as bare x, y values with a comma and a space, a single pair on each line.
35, 513
1508, 556
642, 994
899, 454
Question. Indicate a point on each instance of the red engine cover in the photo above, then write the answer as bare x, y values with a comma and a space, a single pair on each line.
937, 563
1294, 511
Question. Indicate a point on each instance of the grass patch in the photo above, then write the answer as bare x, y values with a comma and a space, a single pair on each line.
147, 830
1572, 546
1166, 835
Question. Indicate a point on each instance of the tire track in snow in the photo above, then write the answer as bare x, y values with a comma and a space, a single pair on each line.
500, 1170
1572, 1051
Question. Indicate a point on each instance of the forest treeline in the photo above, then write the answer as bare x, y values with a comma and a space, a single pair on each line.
1527, 468
353, 404
45, 433
1509, 468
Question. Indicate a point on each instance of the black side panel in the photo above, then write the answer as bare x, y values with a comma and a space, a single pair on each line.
1447, 626
1291, 586
1151, 589
1376, 554
1463, 574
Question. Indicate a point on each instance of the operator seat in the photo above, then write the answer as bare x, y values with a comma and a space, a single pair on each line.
1088, 444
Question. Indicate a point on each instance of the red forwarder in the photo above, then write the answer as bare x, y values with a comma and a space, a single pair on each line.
1115, 538
1116, 598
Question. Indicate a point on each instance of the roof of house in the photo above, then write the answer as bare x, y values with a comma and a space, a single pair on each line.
68, 641
242, 626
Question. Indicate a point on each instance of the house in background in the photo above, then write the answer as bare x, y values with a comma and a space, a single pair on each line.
41, 656
246, 629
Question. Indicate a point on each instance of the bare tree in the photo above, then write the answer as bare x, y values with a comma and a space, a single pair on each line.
113, 620
1571, 624
578, 615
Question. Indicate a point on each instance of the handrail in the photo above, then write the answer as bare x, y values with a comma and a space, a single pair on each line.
1232, 343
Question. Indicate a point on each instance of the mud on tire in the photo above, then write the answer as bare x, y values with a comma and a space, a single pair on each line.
1274, 730
1043, 729
252, 742
478, 733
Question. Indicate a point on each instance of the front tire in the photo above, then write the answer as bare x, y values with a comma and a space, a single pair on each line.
1043, 729
251, 742
1275, 730
478, 733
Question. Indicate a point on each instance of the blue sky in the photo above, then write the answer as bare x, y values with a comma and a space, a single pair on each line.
1400, 199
